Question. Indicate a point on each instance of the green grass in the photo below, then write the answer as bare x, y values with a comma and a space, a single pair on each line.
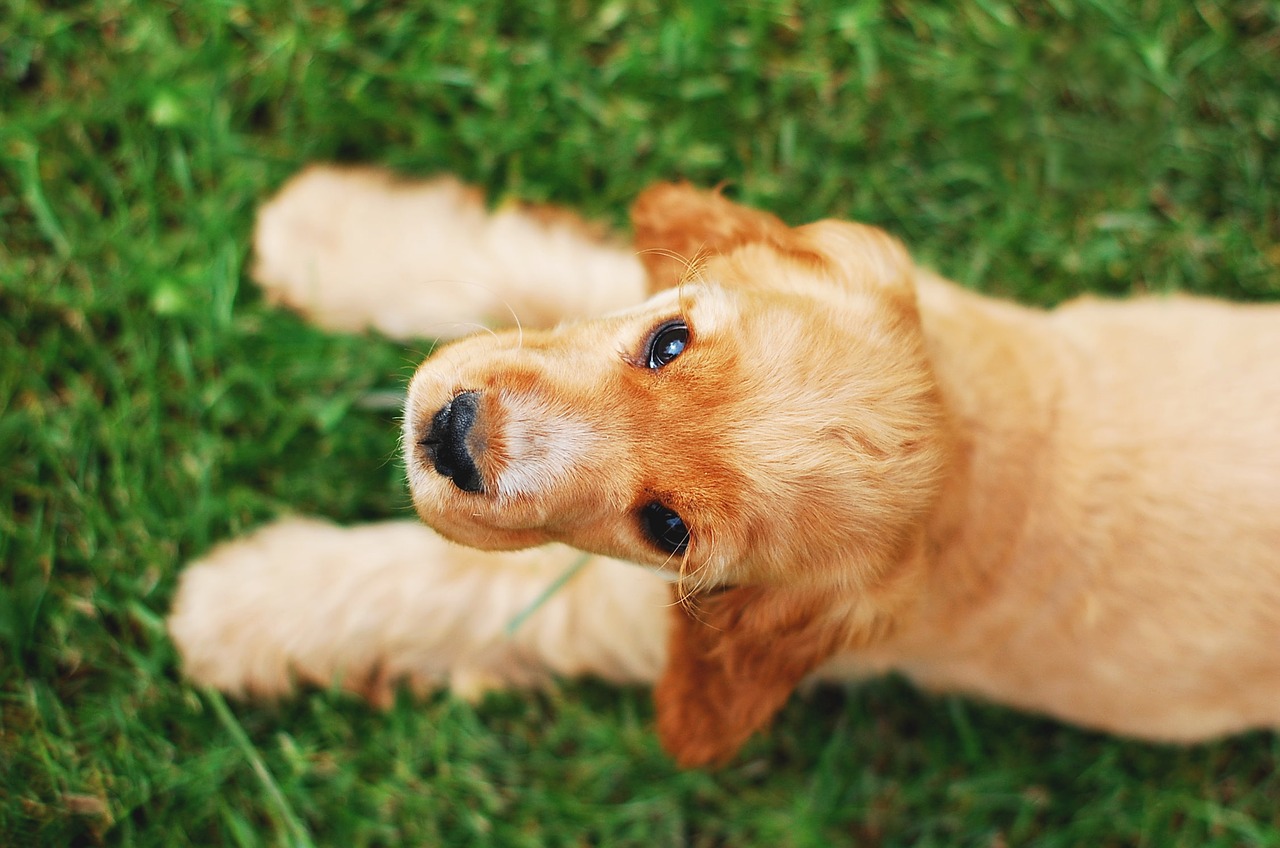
152, 405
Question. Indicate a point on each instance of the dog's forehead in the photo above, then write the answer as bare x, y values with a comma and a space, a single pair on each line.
706, 305
710, 309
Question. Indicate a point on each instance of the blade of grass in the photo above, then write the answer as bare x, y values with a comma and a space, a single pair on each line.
283, 812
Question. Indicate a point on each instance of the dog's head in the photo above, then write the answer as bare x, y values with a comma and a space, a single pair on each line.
766, 420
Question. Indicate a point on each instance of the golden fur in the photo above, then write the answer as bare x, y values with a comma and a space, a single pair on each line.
1075, 512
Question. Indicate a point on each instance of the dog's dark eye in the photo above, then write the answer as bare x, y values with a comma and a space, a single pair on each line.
667, 343
664, 528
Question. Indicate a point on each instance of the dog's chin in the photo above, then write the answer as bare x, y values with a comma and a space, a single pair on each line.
482, 536
468, 518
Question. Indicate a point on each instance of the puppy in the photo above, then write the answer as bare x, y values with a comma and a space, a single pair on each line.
846, 465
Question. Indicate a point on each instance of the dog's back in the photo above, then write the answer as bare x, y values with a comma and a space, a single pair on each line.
1116, 550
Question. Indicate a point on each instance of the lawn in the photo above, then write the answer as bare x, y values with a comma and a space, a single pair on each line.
151, 404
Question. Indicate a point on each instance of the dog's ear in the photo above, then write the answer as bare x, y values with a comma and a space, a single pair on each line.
734, 659
677, 226
862, 256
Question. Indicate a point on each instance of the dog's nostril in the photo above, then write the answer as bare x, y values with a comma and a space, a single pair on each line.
456, 418
446, 442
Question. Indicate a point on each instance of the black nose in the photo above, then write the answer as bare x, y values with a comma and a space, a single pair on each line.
446, 444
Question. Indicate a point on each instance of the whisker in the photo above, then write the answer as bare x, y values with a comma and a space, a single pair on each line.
692, 274
493, 292
670, 254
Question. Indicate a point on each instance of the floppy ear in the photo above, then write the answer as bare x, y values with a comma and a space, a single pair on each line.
676, 225
862, 256
733, 661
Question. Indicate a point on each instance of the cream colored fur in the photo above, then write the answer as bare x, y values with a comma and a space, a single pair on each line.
357, 248
1103, 544
368, 607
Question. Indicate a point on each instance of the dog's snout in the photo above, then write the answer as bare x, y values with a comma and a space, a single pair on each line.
446, 441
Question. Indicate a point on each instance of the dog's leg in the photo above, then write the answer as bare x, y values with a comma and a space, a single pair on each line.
366, 607
355, 248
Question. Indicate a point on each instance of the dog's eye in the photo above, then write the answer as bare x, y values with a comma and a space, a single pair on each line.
666, 343
664, 528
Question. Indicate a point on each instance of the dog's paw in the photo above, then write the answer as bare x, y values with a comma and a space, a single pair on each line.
243, 613
371, 608
305, 601
358, 248
354, 249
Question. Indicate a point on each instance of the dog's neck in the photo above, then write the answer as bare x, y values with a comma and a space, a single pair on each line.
990, 359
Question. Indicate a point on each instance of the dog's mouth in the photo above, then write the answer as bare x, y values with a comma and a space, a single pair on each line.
446, 442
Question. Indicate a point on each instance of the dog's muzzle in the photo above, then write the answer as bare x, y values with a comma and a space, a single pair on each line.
446, 443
